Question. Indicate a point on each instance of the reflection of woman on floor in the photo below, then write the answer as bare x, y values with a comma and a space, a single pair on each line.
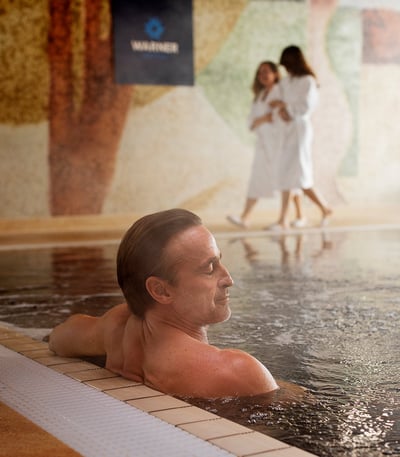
267, 127
299, 96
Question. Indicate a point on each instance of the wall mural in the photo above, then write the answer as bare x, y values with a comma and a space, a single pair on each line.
87, 110
74, 142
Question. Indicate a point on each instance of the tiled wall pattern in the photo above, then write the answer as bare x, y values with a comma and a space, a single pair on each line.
72, 142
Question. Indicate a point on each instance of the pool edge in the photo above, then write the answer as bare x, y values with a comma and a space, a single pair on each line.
225, 434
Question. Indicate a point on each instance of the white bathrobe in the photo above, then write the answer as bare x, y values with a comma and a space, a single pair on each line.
263, 176
295, 169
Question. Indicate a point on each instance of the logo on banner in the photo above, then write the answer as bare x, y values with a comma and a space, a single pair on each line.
154, 30
153, 42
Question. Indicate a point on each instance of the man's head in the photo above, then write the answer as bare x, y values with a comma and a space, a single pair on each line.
142, 254
199, 294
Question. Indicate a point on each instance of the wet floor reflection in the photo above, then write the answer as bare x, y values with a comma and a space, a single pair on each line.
320, 310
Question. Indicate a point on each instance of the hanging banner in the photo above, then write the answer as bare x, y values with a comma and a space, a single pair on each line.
153, 42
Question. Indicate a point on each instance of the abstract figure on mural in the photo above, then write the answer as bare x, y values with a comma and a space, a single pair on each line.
87, 114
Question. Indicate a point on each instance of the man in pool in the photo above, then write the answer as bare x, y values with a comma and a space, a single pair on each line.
169, 269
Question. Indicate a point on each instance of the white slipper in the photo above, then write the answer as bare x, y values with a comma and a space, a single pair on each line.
275, 228
299, 223
235, 220
324, 221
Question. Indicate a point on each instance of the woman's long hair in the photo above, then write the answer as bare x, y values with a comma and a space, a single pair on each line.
295, 63
257, 87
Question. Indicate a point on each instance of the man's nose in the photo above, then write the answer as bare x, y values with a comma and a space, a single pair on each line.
226, 280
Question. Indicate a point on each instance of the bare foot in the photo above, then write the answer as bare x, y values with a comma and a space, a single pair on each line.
326, 213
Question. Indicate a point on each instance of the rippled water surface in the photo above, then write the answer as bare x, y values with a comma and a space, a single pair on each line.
319, 310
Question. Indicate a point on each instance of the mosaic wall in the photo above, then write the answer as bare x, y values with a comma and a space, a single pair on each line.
73, 142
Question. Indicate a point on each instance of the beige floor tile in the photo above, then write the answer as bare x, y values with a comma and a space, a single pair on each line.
25, 346
16, 341
131, 393
181, 416
111, 383
37, 353
92, 374
216, 428
6, 334
288, 452
74, 366
248, 444
54, 360
157, 403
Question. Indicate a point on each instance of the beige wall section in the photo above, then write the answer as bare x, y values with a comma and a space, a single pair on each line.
379, 160
333, 122
24, 170
177, 151
178, 147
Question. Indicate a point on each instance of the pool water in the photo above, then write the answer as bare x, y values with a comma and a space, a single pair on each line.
321, 310
40, 288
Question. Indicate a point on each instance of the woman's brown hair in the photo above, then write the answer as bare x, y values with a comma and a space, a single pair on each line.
292, 58
257, 87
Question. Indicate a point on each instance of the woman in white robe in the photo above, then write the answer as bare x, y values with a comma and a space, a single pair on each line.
267, 126
298, 98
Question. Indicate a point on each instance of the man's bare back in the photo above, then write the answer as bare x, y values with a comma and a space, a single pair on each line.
167, 347
185, 366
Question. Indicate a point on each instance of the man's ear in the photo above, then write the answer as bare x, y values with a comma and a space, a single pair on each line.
158, 289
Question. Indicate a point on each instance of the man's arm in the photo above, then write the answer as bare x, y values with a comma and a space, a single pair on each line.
79, 335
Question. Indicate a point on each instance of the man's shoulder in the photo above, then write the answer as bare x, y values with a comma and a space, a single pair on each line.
239, 360
186, 366
246, 372
230, 372
117, 315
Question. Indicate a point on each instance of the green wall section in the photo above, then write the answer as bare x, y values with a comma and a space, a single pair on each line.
344, 47
262, 31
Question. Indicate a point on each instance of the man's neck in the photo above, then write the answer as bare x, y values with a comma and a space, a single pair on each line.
157, 322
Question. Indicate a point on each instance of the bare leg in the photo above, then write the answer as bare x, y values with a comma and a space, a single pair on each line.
318, 200
298, 206
249, 205
242, 221
284, 209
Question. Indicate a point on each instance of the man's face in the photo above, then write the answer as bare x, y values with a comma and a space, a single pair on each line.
200, 289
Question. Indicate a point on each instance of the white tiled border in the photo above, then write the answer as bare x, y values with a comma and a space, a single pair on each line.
178, 427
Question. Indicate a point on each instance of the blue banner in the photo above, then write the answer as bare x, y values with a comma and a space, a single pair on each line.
153, 42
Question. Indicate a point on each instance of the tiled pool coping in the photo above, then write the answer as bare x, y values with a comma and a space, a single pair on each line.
226, 435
